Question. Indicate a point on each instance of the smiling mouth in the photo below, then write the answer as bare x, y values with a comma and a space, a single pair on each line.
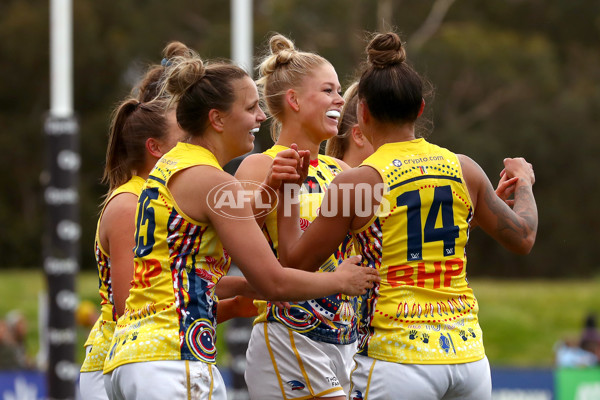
254, 130
333, 114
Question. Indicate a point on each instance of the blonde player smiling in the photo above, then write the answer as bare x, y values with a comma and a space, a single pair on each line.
305, 351
167, 332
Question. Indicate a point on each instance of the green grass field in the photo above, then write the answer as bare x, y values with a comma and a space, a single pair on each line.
521, 320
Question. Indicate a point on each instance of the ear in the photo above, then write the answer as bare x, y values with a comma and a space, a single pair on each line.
153, 147
362, 112
216, 120
357, 136
292, 99
422, 108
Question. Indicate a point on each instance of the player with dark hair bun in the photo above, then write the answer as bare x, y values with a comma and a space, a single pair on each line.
411, 207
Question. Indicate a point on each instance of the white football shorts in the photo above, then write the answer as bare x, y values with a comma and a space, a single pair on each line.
171, 380
375, 379
283, 364
91, 386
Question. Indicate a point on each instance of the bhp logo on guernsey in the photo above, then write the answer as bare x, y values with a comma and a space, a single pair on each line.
228, 199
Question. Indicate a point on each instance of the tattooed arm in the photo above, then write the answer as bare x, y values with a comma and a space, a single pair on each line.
506, 188
514, 228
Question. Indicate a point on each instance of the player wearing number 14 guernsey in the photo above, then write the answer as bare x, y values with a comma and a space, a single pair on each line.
418, 333
423, 311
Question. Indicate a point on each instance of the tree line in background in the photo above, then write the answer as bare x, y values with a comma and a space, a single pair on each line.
511, 78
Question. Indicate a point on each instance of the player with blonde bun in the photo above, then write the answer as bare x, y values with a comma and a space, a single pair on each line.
167, 332
304, 351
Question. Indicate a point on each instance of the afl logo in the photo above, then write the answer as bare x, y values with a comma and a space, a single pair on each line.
397, 163
228, 198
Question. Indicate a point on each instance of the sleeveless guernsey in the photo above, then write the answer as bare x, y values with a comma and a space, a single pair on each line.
93, 331
422, 311
102, 332
331, 319
171, 310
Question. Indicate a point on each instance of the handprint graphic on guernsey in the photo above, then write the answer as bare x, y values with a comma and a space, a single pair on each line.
472, 332
412, 335
425, 338
463, 335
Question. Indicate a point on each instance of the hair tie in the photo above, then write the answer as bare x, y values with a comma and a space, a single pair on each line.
165, 63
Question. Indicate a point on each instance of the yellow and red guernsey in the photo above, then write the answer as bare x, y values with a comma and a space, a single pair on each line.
101, 334
170, 313
423, 310
331, 319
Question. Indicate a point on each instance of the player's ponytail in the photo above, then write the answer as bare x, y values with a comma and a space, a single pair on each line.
116, 171
131, 125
